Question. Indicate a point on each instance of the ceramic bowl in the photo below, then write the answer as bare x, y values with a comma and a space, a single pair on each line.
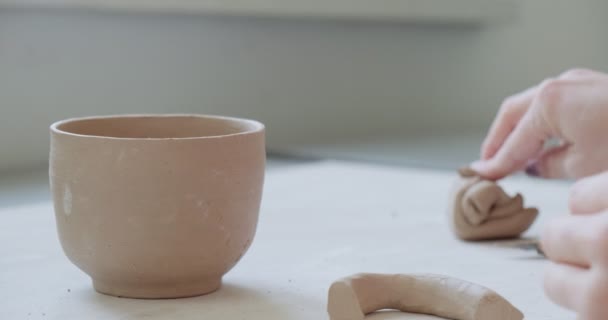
156, 206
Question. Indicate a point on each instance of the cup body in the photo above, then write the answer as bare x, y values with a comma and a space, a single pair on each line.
156, 206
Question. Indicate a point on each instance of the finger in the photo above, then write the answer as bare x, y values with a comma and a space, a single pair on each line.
514, 107
543, 120
589, 195
565, 285
524, 143
567, 240
510, 113
552, 163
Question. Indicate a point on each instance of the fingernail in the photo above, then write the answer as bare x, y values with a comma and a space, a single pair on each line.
477, 165
532, 170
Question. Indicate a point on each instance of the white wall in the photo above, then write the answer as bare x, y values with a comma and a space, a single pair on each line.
307, 80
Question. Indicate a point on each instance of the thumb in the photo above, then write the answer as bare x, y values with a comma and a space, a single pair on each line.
588, 195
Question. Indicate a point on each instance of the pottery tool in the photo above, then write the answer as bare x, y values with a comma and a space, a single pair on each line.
532, 246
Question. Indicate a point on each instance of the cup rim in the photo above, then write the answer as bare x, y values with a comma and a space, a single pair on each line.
256, 126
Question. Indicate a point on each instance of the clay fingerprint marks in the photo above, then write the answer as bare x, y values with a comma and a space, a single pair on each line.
354, 297
481, 210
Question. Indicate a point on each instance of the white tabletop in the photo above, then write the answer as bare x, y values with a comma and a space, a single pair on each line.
319, 222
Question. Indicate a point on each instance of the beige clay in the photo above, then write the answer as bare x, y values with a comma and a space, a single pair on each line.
354, 297
481, 210
157, 206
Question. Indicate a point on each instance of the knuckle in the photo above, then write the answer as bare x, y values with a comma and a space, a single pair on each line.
508, 106
575, 73
550, 92
549, 99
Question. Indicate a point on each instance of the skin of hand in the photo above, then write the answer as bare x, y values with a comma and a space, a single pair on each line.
577, 245
571, 108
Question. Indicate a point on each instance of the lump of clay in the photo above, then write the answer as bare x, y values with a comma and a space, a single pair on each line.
354, 297
481, 210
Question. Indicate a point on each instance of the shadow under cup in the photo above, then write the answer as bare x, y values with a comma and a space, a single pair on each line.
156, 206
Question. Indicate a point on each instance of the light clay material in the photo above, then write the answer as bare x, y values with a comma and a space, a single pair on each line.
480, 210
354, 297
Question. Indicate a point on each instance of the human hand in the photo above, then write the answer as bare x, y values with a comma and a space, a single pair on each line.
572, 108
577, 245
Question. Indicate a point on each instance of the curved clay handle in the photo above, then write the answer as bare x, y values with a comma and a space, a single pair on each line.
354, 297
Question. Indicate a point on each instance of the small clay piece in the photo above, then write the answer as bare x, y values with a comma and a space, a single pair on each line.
481, 210
354, 297
157, 206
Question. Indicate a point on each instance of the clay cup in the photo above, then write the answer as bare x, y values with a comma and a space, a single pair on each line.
156, 206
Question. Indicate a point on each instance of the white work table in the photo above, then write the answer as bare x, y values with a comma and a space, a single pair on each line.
318, 222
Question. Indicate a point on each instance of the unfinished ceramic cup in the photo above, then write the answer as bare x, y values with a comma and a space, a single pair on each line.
156, 206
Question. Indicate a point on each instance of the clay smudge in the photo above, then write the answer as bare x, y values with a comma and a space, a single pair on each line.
169, 218
67, 200
121, 156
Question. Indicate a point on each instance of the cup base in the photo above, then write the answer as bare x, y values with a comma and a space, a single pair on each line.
157, 291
